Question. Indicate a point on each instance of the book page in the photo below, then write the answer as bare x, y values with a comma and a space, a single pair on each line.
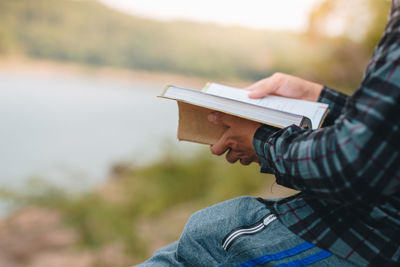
231, 106
313, 110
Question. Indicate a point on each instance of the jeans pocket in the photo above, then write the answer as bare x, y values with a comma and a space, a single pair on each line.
253, 229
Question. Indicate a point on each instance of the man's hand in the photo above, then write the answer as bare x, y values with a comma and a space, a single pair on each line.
237, 140
287, 86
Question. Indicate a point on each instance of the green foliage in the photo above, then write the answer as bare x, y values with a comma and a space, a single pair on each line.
380, 11
203, 178
345, 57
89, 33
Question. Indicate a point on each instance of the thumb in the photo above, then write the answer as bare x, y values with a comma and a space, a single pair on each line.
222, 145
262, 88
259, 93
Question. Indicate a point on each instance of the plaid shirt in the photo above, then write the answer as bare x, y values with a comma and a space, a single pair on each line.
349, 170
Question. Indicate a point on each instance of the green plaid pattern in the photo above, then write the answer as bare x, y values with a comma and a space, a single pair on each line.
349, 170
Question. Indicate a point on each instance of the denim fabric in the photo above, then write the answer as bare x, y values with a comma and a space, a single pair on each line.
201, 241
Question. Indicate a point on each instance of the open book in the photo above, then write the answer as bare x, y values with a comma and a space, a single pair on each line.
195, 105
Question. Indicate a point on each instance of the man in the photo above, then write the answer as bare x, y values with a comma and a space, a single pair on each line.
348, 172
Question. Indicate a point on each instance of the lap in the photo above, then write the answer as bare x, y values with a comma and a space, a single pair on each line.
242, 231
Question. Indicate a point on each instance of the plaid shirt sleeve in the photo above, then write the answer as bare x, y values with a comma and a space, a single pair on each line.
336, 102
356, 156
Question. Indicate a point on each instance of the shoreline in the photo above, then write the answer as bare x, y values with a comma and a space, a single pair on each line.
40, 67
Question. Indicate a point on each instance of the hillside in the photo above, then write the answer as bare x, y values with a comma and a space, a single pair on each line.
89, 33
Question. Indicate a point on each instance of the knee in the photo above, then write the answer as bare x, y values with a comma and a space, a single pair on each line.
209, 222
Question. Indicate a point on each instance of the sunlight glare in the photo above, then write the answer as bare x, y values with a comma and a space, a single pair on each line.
265, 14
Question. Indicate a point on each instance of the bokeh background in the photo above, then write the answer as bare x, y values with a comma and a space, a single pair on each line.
91, 173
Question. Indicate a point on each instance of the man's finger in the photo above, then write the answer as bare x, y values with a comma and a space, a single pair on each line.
222, 145
245, 161
221, 118
264, 87
255, 85
232, 156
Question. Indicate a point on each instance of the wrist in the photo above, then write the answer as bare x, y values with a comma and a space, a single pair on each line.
259, 143
313, 91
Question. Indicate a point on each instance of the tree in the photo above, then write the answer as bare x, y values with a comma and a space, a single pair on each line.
362, 21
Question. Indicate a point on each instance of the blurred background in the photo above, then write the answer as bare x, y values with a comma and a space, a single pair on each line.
91, 173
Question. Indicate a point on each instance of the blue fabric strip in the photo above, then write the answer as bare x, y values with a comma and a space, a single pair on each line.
277, 256
307, 260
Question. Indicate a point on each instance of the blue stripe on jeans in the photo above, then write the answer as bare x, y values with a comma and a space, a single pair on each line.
307, 260
277, 256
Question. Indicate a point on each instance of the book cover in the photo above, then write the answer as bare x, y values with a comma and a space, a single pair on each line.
195, 105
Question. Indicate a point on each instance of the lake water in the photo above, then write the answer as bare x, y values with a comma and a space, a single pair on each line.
71, 129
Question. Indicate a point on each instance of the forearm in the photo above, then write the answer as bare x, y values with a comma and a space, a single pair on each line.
354, 159
319, 162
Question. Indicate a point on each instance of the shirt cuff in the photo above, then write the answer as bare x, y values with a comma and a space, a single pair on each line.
260, 144
336, 101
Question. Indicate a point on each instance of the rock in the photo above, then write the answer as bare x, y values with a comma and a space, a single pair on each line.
37, 237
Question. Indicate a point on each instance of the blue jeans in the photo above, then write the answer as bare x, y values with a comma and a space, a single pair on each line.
240, 232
